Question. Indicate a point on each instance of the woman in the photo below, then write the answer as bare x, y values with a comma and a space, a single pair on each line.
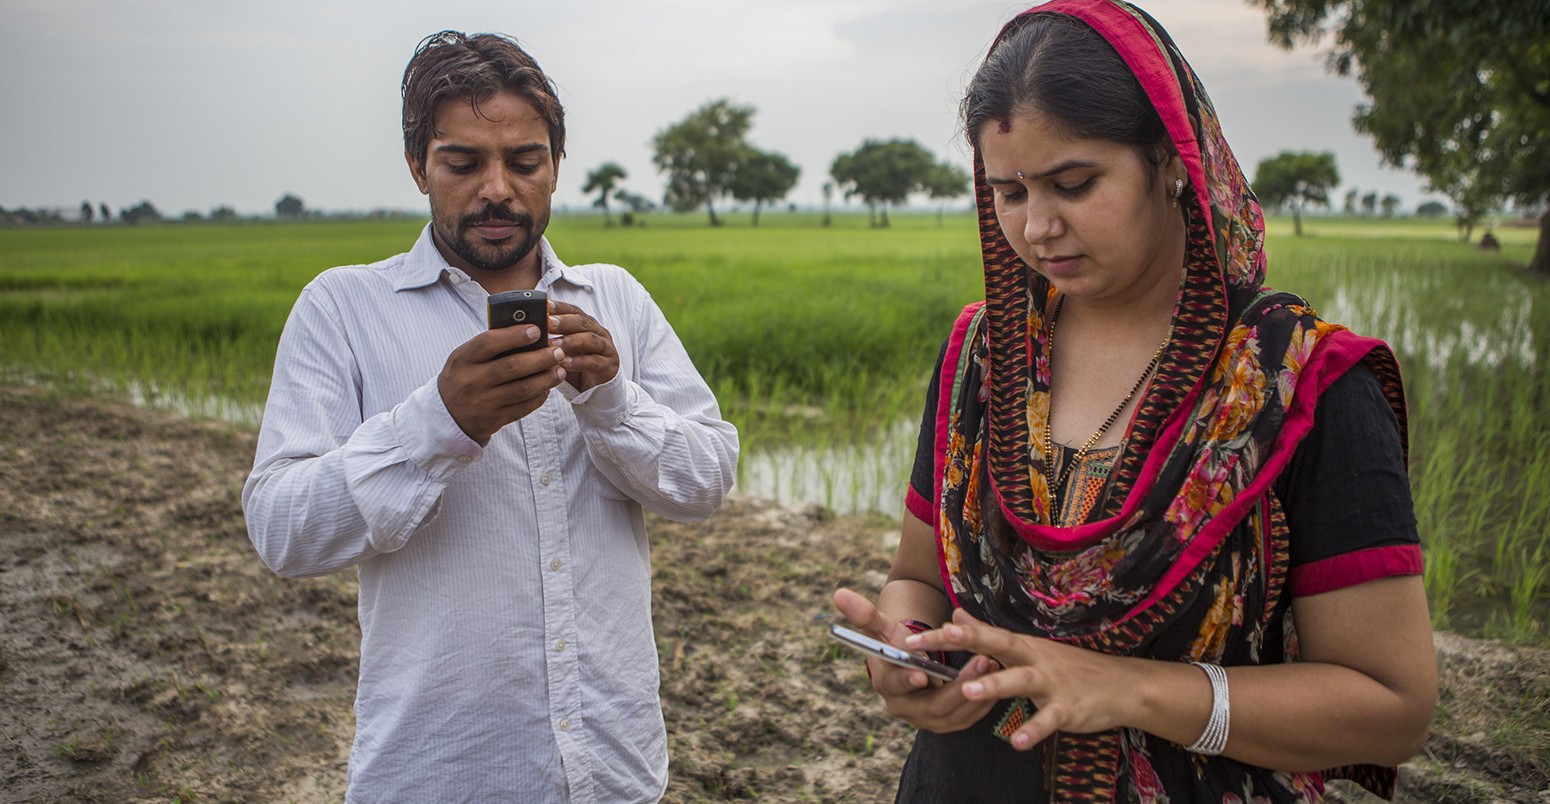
1197, 474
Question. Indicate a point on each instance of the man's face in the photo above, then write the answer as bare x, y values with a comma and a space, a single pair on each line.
490, 176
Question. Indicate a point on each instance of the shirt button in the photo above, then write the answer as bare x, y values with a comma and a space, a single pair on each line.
464, 459
559, 647
544, 480
555, 565
565, 725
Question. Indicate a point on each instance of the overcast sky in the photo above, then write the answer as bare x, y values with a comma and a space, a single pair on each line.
194, 104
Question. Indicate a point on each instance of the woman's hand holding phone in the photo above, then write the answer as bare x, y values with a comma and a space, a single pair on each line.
910, 694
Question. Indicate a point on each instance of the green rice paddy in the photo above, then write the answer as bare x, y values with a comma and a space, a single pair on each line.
818, 342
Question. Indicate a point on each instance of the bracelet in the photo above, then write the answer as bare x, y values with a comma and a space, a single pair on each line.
1214, 739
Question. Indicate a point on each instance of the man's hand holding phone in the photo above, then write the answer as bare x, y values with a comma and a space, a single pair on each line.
504, 373
590, 356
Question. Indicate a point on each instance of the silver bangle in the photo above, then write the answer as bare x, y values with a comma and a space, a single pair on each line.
1214, 739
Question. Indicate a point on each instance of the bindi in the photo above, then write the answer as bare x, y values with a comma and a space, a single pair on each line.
1004, 126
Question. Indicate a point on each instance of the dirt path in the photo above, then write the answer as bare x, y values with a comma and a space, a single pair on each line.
146, 654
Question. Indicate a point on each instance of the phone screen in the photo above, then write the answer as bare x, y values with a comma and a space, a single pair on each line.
891, 654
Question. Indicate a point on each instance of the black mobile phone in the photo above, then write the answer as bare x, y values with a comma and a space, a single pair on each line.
891, 654
512, 307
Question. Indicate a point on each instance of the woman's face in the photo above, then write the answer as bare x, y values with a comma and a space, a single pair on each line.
1092, 216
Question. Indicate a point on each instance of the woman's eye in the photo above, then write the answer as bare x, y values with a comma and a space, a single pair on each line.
1071, 191
1013, 194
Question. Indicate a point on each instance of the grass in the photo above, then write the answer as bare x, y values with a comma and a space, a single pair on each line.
817, 340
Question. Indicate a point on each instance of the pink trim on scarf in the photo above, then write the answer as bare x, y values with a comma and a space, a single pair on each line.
944, 405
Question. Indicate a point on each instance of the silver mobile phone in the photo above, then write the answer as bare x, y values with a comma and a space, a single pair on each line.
891, 654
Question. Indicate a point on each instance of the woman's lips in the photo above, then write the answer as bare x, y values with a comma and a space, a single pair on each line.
1059, 264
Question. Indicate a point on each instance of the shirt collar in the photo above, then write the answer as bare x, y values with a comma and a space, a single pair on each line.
424, 266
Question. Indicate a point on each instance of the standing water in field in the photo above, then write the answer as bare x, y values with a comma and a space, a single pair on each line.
848, 479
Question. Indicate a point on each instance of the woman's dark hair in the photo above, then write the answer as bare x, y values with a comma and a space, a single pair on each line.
454, 66
1062, 69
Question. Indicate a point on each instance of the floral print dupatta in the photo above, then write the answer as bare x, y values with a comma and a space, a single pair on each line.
1185, 557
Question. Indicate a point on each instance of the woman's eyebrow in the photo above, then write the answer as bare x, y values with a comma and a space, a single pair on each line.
1069, 164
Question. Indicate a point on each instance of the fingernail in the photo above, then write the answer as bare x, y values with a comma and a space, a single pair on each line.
559, 354
531, 332
1021, 740
973, 688
912, 640
954, 631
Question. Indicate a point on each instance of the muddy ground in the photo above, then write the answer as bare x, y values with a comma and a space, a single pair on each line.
146, 654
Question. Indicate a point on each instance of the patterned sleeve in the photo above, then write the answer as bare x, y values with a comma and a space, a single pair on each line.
1346, 493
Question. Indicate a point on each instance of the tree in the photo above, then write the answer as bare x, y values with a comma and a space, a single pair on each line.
602, 181
1460, 92
882, 173
223, 214
1389, 203
763, 176
638, 205
86, 212
1472, 201
828, 195
289, 206
141, 212
1349, 208
700, 154
946, 182
1296, 179
1431, 209
107, 214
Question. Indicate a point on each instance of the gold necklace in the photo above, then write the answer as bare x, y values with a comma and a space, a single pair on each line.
1053, 478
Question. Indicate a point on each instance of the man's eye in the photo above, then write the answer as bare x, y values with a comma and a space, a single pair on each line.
525, 167
461, 167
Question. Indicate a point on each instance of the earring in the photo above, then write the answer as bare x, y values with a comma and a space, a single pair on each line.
1178, 192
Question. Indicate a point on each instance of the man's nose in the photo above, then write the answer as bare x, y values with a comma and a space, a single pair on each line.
496, 185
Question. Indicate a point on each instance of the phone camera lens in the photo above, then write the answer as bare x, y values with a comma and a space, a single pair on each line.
519, 316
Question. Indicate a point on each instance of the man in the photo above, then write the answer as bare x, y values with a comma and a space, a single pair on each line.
492, 504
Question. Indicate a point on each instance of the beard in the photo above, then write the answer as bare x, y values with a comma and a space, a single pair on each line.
490, 256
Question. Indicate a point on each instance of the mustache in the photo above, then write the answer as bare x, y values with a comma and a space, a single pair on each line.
493, 213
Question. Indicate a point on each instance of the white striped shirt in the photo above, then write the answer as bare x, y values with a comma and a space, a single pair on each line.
505, 604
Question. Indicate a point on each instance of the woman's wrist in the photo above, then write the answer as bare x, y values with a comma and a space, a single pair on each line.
907, 599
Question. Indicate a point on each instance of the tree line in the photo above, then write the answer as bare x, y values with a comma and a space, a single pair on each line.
707, 159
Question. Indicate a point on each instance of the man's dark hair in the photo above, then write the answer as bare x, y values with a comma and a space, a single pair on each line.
455, 66
1061, 68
